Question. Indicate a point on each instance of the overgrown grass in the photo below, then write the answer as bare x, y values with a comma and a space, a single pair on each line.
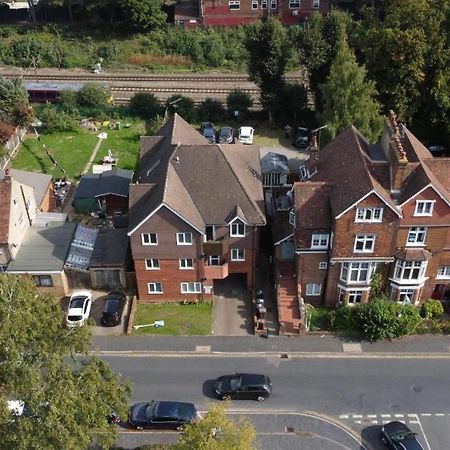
72, 150
179, 320
320, 319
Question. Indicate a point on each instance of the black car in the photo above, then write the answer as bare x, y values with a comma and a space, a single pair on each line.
301, 137
245, 386
397, 436
226, 135
112, 313
438, 149
167, 415
208, 131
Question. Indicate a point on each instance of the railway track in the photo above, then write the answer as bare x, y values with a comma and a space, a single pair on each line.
180, 90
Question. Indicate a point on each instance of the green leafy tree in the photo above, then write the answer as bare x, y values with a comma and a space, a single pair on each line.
70, 398
349, 97
239, 100
144, 15
268, 55
291, 106
377, 286
145, 105
93, 95
217, 431
184, 107
432, 309
14, 106
210, 109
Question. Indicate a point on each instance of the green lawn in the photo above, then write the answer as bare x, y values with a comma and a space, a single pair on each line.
72, 150
192, 320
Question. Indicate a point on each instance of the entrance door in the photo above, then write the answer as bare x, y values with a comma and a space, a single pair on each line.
288, 249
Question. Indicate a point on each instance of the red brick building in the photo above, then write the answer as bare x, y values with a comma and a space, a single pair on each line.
240, 12
364, 208
194, 215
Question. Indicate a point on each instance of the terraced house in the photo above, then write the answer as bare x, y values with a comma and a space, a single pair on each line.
195, 214
364, 208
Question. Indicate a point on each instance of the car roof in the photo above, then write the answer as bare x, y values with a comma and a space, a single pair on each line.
253, 379
246, 129
175, 409
77, 302
82, 293
226, 128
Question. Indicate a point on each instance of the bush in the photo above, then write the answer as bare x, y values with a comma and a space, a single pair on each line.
185, 107
145, 105
55, 120
68, 98
320, 318
341, 319
210, 110
432, 309
93, 95
238, 100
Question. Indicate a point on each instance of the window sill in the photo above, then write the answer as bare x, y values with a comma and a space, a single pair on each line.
156, 293
415, 244
152, 268
186, 268
180, 243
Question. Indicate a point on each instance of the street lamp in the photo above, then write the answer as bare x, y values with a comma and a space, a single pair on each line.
318, 130
175, 106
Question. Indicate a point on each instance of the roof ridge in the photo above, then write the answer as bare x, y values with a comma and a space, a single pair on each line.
252, 202
361, 155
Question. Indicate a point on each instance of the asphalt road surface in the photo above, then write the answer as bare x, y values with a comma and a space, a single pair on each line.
317, 403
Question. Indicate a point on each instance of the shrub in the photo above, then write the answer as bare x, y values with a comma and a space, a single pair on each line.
432, 309
341, 319
210, 109
68, 98
185, 107
93, 95
144, 105
55, 120
238, 100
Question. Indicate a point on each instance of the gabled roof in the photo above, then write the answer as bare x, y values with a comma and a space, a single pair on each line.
38, 181
5, 206
415, 150
198, 181
312, 205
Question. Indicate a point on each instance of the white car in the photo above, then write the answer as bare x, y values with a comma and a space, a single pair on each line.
79, 308
245, 135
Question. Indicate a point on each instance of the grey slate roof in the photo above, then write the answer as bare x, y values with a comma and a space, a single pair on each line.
202, 182
44, 249
38, 181
110, 248
115, 181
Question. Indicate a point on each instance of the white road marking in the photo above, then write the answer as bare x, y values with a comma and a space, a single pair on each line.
375, 421
357, 416
343, 416
371, 416
439, 415
357, 421
398, 415
426, 414
385, 415
424, 435
412, 415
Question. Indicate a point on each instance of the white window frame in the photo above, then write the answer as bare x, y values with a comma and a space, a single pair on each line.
264, 4
313, 289
237, 254
255, 4
149, 235
214, 260
323, 265
424, 208
364, 239
360, 272
353, 295
184, 238
443, 273
316, 4
152, 287
152, 264
295, 4
292, 217
184, 264
273, 4
410, 270
235, 229
369, 215
191, 287
416, 236
320, 241
234, 5
401, 293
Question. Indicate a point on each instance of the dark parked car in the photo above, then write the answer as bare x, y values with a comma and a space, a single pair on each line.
245, 386
438, 149
208, 131
112, 313
167, 415
226, 135
397, 436
301, 137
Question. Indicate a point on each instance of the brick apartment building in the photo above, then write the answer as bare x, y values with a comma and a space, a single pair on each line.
241, 12
363, 208
195, 214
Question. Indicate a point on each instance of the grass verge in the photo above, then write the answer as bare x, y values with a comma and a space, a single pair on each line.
179, 320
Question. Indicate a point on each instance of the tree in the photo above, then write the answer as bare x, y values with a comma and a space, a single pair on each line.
217, 431
184, 106
93, 94
291, 106
70, 398
349, 97
239, 100
144, 105
269, 52
210, 109
144, 15
14, 106
54, 119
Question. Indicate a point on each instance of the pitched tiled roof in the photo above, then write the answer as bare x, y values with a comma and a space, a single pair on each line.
414, 254
5, 205
440, 167
202, 182
312, 205
415, 150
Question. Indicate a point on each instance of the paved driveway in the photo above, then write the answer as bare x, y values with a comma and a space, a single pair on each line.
232, 314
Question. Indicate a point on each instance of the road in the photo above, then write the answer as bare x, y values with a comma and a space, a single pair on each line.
340, 394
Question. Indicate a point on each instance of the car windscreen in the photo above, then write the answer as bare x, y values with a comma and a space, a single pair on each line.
112, 305
77, 302
208, 132
150, 411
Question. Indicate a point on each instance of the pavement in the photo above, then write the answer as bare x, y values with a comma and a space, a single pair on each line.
416, 345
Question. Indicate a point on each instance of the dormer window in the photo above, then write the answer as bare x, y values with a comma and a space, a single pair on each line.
369, 214
424, 208
237, 229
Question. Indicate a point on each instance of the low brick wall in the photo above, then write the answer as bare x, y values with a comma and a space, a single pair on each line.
133, 307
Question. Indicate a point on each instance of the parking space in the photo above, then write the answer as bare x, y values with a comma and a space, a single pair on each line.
98, 305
